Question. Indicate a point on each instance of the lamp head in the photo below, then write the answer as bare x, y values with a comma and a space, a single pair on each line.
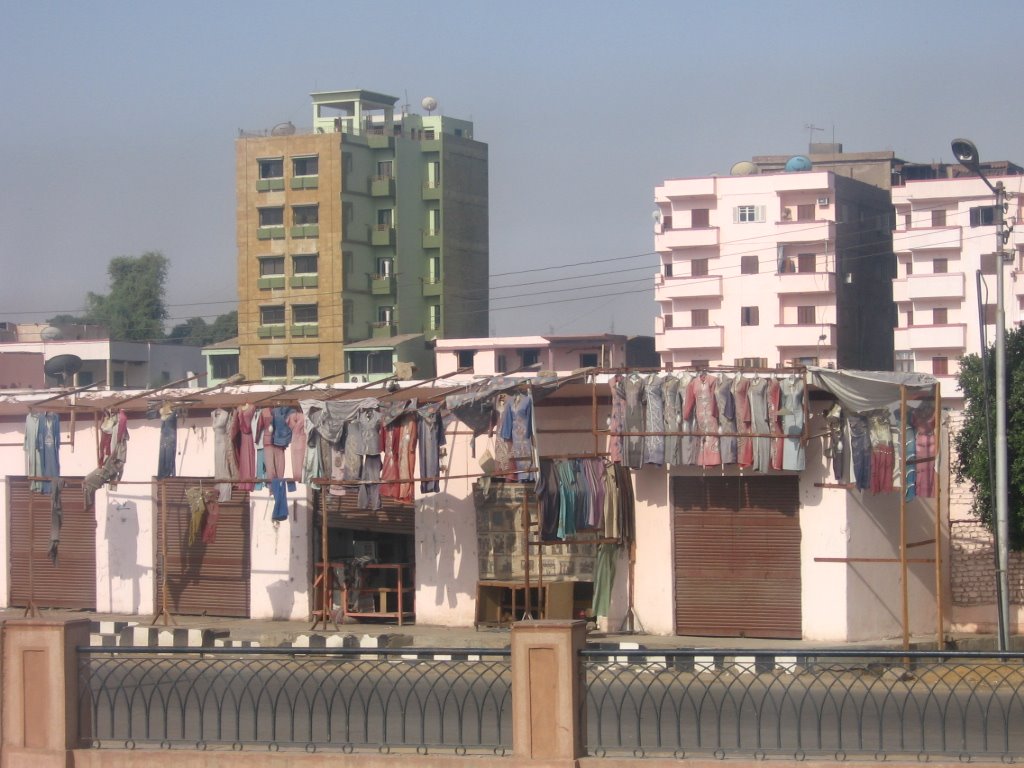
965, 153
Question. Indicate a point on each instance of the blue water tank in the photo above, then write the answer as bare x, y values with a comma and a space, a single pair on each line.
798, 163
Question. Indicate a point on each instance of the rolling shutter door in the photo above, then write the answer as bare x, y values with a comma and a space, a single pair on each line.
71, 583
737, 556
203, 578
392, 517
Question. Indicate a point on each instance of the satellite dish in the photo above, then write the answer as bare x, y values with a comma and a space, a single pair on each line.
798, 163
50, 333
429, 103
62, 367
283, 129
743, 168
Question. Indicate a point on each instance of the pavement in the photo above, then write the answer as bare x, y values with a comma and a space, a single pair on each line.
205, 631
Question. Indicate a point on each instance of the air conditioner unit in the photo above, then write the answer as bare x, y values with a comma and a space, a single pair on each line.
357, 378
823, 202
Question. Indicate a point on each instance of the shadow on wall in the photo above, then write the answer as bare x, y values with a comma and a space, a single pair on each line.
439, 546
122, 531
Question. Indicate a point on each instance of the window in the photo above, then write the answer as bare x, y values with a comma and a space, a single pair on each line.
434, 221
910, 267
466, 358
385, 315
588, 360
806, 262
700, 363
700, 217
989, 263
529, 356
749, 265
699, 267
305, 214
910, 317
940, 266
666, 222
271, 315
748, 213
904, 361
384, 218
272, 265
699, 318
805, 212
304, 313
940, 366
224, 366
385, 266
805, 316
990, 313
500, 364
305, 166
751, 362
271, 217
306, 264
434, 317
667, 266
434, 270
274, 367
940, 316
749, 315
668, 321
907, 221
939, 218
306, 367
385, 168
271, 168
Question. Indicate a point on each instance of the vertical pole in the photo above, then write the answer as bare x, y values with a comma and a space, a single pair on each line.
524, 512
903, 519
1002, 522
940, 638
593, 414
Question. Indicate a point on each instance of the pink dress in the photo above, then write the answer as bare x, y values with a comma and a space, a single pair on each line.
744, 418
246, 445
297, 424
700, 403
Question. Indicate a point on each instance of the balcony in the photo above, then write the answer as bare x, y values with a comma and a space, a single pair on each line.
305, 230
430, 144
305, 329
432, 286
806, 231
432, 238
690, 338
270, 331
804, 336
270, 185
672, 239
270, 233
949, 285
432, 190
944, 238
702, 287
380, 141
382, 285
384, 330
383, 234
270, 281
305, 182
918, 337
382, 186
305, 281
791, 283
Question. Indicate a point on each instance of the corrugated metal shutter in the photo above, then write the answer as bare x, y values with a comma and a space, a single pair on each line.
71, 583
737, 556
203, 578
393, 517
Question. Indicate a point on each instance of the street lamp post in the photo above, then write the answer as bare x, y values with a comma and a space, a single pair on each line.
967, 155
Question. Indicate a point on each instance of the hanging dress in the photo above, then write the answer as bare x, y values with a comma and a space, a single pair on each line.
633, 444
762, 444
744, 443
673, 408
793, 453
726, 419
701, 405
654, 445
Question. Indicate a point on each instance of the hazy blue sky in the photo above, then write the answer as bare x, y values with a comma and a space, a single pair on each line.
119, 121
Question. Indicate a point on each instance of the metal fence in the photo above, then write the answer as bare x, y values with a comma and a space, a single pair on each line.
832, 704
297, 698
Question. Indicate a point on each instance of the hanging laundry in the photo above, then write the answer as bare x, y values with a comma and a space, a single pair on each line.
654, 421
633, 443
431, 438
517, 426
672, 406
774, 397
882, 455
835, 441
224, 461
278, 489
48, 445
860, 449
617, 417
792, 411
168, 442
757, 397
247, 424
725, 400
33, 459
700, 404
926, 445
56, 518
297, 427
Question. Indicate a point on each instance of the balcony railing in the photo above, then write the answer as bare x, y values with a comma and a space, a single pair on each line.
950, 337
703, 286
949, 285
944, 238
672, 239
806, 282
691, 337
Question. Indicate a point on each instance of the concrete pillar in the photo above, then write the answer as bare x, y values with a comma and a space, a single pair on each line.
40, 692
548, 694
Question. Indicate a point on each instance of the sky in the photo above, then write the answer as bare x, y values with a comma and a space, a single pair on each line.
119, 122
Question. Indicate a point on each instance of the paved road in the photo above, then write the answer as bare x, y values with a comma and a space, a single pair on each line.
360, 703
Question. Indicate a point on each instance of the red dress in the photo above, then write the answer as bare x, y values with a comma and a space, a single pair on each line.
700, 402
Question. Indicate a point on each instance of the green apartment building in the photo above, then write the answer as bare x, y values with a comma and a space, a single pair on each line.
370, 229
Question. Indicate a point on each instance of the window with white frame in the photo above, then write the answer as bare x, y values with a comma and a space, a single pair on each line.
434, 317
904, 361
748, 213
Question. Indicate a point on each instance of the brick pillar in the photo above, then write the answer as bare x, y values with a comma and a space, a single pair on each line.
548, 694
40, 692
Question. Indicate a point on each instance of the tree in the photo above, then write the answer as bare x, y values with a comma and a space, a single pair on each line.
134, 310
196, 332
971, 461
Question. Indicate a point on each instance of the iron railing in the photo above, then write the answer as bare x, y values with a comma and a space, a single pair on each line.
343, 699
833, 704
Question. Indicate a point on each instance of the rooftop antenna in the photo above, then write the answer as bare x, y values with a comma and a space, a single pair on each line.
811, 128
405, 107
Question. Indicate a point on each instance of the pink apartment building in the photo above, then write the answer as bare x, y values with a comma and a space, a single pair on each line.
774, 269
561, 354
938, 256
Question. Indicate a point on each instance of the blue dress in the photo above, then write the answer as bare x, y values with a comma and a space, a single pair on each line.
48, 444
